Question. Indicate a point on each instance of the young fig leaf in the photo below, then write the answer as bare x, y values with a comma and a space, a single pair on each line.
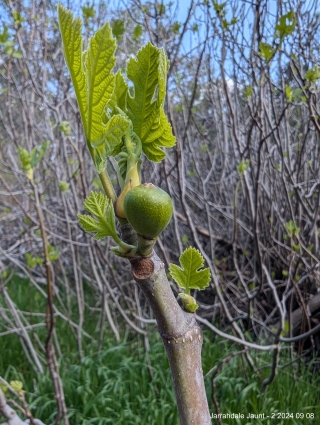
70, 29
102, 209
148, 72
189, 276
286, 25
103, 223
99, 61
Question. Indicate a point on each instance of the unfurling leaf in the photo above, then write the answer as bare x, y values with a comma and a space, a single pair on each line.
63, 186
111, 138
53, 252
189, 276
119, 96
99, 92
266, 51
16, 385
313, 74
30, 159
32, 261
65, 128
102, 209
289, 93
247, 92
103, 223
148, 72
3, 387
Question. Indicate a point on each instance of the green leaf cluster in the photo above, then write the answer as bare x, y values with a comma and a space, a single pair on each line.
292, 228
266, 51
63, 186
247, 92
17, 18
313, 74
219, 8
118, 28
8, 44
289, 93
32, 261
3, 387
109, 111
286, 25
88, 12
30, 159
65, 128
243, 166
53, 252
137, 32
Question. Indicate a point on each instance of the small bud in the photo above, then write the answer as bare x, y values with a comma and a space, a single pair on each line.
118, 205
133, 175
189, 303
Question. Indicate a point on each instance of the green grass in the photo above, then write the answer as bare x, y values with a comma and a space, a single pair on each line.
115, 385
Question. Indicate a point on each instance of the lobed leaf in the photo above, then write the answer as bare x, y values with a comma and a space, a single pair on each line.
189, 276
99, 61
283, 29
100, 206
89, 224
70, 30
119, 94
113, 131
266, 51
148, 72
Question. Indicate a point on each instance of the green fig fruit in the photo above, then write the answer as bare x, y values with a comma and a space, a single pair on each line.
148, 209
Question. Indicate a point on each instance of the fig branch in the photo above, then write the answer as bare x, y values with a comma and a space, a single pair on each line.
181, 336
126, 125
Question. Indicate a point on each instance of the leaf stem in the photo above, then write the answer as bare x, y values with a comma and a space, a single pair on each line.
107, 185
122, 245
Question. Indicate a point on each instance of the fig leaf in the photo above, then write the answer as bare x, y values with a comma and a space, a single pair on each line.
189, 276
